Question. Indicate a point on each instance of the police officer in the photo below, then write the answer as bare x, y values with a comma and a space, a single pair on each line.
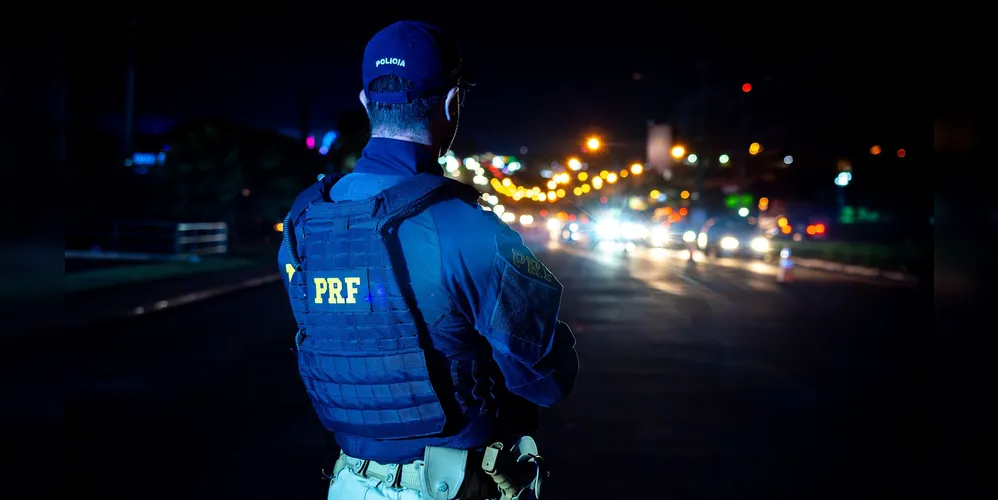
428, 333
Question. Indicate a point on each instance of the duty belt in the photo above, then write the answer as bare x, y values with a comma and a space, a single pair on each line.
394, 475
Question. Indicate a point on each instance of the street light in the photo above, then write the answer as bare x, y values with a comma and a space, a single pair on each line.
637, 168
754, 148
678, 152
843, 179
593, 143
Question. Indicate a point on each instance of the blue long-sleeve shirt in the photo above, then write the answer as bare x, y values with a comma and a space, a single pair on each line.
491, 284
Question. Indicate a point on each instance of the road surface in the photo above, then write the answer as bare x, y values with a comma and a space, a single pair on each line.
720, 385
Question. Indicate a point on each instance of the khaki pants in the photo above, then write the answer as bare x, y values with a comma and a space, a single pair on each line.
444, 474
349, 486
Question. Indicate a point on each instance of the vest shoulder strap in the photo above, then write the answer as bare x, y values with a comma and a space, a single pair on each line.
314, 194
412, 196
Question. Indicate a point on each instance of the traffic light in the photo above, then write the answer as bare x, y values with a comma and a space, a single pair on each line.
747, 87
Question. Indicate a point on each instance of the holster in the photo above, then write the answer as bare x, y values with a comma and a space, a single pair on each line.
519, 472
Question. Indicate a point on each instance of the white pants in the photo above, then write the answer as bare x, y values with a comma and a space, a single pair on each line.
349, 486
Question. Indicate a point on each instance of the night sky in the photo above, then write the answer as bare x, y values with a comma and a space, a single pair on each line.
543, 82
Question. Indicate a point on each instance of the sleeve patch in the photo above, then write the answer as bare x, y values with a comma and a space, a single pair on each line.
526, 310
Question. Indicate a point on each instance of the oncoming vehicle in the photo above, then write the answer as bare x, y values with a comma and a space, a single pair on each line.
672, 235
733, 237
569, 232
622, 229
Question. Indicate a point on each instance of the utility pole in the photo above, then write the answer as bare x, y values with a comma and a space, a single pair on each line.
61, 98
130, 92
703, 159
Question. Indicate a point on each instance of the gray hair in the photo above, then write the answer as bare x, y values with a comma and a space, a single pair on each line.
400, 119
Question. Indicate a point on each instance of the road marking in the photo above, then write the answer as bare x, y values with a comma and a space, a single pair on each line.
190, 298
648, 282
181, 300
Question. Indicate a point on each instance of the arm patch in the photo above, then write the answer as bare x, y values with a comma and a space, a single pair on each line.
526, 306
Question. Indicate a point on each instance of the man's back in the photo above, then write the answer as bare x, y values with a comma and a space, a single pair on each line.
488, 307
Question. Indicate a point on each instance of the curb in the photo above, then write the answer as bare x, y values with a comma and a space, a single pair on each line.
95, 255
178, 301
871, 272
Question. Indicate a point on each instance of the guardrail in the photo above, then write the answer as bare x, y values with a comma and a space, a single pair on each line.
201, 238
149, 240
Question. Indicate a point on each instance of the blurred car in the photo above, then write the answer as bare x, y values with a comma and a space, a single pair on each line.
676, 236
529, 230
571, 233
622, 230
733, 238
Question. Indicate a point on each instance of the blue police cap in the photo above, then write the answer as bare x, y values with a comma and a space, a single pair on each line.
422, 54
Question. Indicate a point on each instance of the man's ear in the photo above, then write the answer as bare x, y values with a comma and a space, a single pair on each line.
451, 104
363, 99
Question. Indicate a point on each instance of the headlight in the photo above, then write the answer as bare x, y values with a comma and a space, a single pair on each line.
729, 243
760, 244
633, 231
689, 236
607, 230
659, 236
554, 224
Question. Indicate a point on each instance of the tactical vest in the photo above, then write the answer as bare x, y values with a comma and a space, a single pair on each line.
361, 353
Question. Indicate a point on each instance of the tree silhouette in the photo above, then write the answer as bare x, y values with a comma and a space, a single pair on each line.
220, 171
204, 170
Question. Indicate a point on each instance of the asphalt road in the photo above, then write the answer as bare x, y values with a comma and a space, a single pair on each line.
722, 385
